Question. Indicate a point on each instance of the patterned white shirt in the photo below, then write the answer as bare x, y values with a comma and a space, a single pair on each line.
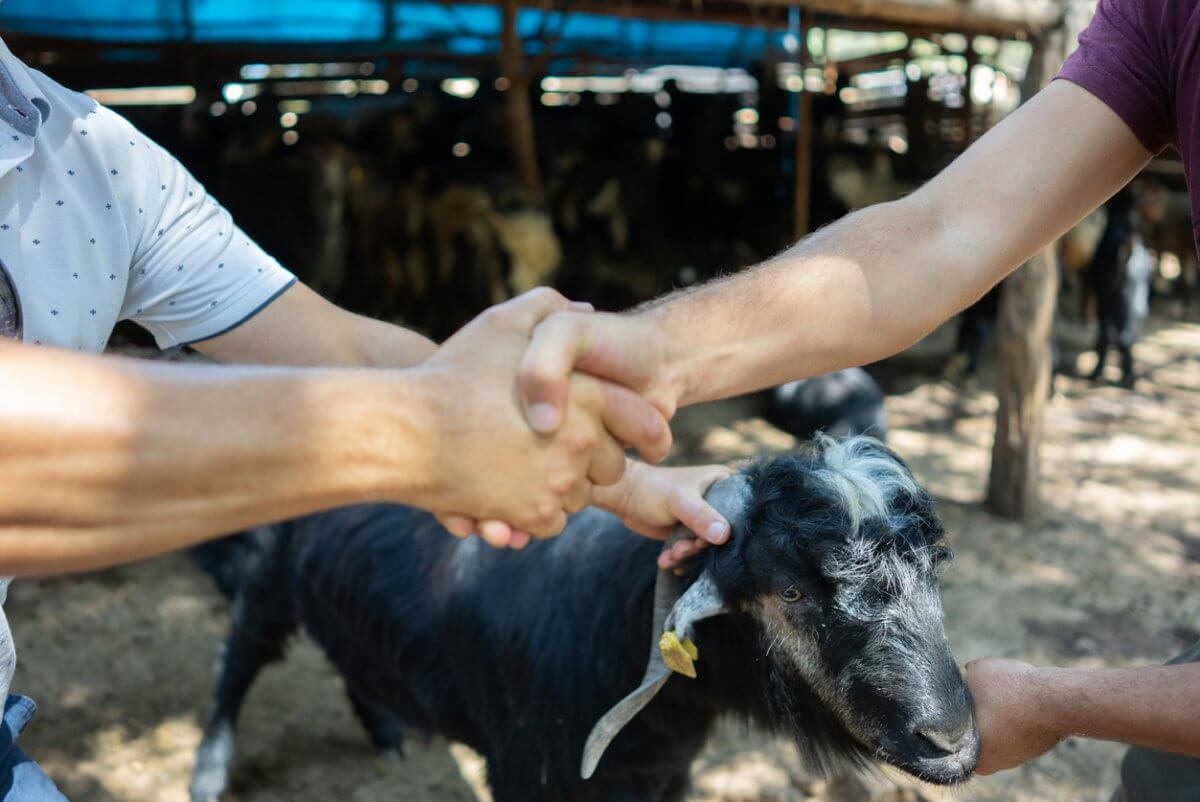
100, 224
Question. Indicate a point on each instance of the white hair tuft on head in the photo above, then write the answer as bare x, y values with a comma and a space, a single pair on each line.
863, 477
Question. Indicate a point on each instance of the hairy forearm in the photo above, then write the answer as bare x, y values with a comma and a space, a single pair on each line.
1155, 707
880, 279
107, 460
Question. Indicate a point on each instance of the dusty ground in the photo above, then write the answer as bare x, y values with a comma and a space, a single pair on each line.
121, 662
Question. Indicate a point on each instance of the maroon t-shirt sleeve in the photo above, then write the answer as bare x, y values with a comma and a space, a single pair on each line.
1124, 59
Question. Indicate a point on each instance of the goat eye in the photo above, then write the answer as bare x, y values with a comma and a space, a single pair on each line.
791, 595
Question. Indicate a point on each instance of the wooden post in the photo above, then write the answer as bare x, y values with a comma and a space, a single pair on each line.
802, 164
1023, 334
518, 107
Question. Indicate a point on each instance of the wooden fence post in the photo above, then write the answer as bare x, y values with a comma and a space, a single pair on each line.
1023, 337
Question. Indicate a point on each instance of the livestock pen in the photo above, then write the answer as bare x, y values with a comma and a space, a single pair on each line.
420, 161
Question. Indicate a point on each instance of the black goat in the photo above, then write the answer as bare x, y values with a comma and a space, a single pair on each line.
1119, 280
976, 327
840, 404
820, 619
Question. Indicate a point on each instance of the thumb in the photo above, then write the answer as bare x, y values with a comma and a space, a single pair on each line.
545, 375
699, 516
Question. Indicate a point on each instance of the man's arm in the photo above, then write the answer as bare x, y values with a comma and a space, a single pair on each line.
865, 287
106, 460
1023, 711
301, 328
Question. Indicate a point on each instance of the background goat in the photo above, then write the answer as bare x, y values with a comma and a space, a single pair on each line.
1119, 280
840, 404
820, 619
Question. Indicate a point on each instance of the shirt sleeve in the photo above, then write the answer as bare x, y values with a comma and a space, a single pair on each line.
1124, 59
193, 273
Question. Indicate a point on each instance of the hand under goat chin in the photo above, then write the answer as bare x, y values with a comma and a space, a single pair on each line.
820, 619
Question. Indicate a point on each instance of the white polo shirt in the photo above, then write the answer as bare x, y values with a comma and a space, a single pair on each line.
100, 224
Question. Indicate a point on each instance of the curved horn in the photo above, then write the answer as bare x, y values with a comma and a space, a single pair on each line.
675, 611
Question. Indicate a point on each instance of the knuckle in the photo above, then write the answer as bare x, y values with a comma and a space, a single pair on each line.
544, 513
578, 439
560, 485
545, 298
492, 315
536, 373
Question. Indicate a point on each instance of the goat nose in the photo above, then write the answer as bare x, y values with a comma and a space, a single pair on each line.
943, 741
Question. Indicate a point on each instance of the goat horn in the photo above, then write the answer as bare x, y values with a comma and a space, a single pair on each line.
675, 611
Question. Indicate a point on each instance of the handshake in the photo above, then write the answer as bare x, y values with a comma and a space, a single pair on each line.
530, 408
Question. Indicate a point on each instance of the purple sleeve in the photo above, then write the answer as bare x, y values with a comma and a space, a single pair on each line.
1123, 59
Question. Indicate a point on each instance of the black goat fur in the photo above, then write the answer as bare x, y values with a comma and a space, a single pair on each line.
518, 653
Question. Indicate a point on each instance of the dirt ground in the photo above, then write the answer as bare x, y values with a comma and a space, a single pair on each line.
121, 662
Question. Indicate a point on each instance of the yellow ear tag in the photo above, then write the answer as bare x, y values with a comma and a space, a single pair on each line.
680, 656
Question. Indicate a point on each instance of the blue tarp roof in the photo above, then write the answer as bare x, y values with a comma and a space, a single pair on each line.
456, 29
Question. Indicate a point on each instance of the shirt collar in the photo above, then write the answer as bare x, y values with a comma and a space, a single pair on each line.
23, 104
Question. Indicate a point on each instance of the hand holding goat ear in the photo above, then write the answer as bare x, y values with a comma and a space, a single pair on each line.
484, 462
653, 501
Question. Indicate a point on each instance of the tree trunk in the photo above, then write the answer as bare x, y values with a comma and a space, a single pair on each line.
1023, 334
1023, 331
518, 108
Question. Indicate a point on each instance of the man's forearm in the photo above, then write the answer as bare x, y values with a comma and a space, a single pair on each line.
301, 328
880, 279
1156, 706
863, 288
106, 460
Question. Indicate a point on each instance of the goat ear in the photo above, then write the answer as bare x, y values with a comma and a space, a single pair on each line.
676, 613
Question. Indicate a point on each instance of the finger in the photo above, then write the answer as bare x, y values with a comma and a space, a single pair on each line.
680, 552
495, 533
550, 527
684, 550
529, 309
699, 516
457, 525
544, 378
578, 497
519, 540
608, 462
632, 420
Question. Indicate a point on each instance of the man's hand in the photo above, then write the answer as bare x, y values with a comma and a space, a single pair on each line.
485, 464
623, 349
1014, 719
653, 501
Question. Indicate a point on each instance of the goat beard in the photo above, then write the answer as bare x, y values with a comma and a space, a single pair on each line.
827, 743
